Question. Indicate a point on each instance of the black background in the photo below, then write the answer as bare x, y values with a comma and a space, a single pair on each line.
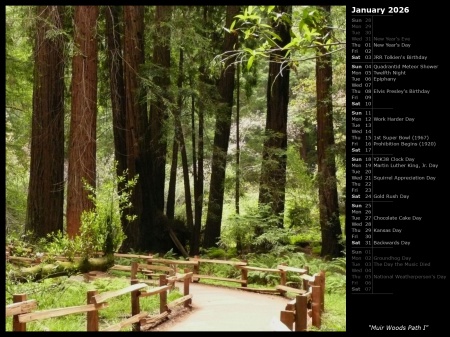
411, 302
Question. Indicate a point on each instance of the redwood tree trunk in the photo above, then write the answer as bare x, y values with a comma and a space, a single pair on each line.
158, 109
180, 138
170, 206
221, 139
117, 87
83, 122
46, 187
273, 168
328, 197
136, 118
155, 231
197, 162
113, 17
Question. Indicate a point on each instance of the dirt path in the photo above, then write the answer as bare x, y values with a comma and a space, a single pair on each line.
217, 308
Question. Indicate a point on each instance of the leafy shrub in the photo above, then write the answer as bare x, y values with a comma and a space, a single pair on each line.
101, 227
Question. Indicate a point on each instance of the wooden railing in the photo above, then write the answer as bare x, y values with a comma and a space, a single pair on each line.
308, 304
153, 265
22, 309
309, 294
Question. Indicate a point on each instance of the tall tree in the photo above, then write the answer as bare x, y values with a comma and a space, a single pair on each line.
237, 191
83, 121
170, 205
179, 135
114, 31
205, 84
328, 197
155, 229
225, 87
46, 187
238, 149
158, 107
136, 119
198, 176
273, 168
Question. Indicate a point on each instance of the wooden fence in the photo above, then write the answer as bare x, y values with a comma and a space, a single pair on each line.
22, 310
308, 304
310, 293
153, 265
309, 300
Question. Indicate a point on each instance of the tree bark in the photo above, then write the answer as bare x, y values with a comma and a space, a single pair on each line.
328, 198
180, 138
46, 187
197, 162
154, 235
170, 205
158, 108
83, 122
273, 168
221, 139
136, 119
114, 31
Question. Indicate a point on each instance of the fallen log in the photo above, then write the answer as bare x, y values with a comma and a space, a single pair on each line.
61, 268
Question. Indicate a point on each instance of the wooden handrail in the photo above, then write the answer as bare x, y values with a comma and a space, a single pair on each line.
114, 293
34, 316
20, 307
127, 322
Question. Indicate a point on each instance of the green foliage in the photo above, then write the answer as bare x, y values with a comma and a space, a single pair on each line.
334, 317
220, 270
59, 244
101, 227
170, 255
16, 191
18, 108
19, 245
72, 292
255, 24
238, 230
275, 239
215, 253
299, 216
309, 235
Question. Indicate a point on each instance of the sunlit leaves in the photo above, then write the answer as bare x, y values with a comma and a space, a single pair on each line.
256, 26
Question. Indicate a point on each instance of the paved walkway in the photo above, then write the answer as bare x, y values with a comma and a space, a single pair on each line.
217, 308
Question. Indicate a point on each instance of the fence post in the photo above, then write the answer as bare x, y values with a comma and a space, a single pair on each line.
315, 306
135, 307
287, 318
322, 290
283, 277
186, 282
244, 277
163, 294
306, 282
196, 268
92, 316
16, 325
134, 269
301, 313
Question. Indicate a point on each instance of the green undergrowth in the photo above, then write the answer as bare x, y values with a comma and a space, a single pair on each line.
334, 317
62, 292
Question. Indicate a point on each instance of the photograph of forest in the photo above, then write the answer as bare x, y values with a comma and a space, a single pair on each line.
180, 133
